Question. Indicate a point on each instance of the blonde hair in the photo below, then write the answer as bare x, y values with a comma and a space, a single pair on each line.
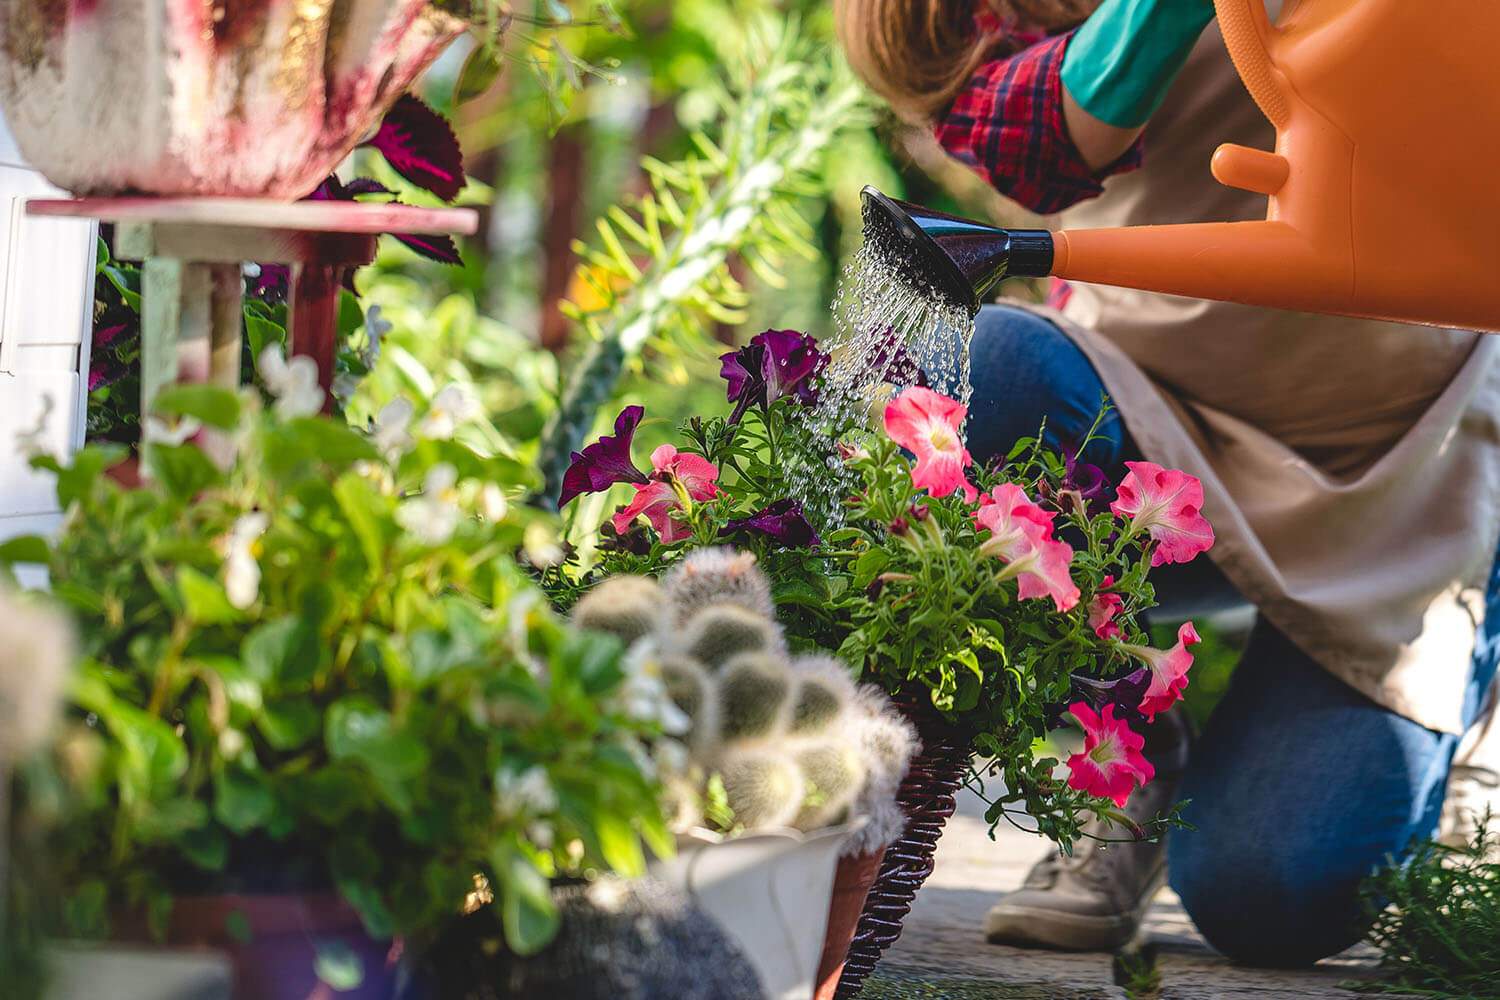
918, 54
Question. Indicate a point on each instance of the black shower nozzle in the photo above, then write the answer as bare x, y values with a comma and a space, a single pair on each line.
960, 258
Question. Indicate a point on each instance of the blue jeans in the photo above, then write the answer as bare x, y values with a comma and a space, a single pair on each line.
1300, 786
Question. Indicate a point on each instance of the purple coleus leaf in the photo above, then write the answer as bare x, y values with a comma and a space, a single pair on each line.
432, 246
774, 365
783, 522
419, 145
605, 462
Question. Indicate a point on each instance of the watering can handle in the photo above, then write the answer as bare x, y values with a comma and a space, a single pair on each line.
1248, 33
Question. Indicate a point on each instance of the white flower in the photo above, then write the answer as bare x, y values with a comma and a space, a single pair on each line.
540, 546
33, 441
528, 792
492, 503
376, 327
155, 430
294, 383
345, 385
452, 407
241, 571
644, 697
391, 425
36, 654
433, 516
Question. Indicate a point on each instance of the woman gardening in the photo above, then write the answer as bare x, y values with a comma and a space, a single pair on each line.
1348, 466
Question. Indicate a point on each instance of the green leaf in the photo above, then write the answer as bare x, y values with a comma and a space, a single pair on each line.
618, 843
203, 598
367, 513
868, 566
75, 482
335, 443
358, 731
25, 549
242, 802
207, 847
183, 469
262, 333
479, 72
210, 404
288, 725
285, 652
337, 965
527, 912
237, 926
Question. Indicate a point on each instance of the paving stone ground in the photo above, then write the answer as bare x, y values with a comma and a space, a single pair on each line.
942, 952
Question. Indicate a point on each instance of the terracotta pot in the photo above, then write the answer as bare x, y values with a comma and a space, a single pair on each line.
277, 959
851, 884
238, 98
126, 472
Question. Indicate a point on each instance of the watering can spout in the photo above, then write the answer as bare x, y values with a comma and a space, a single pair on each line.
1261, 263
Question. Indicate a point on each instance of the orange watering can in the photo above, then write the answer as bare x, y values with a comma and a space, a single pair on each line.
1384, 185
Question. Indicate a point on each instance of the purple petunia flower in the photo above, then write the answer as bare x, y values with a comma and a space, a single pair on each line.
896, 365
605, 462
1088, 480
783, 522
774, 365
1125, 693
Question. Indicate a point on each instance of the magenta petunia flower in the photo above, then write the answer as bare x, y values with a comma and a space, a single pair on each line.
774, 365
783, 521
1103, 609
606, 461
1169, 670
1111, 764
1168, 505
1021, 537
659, 499
927, 424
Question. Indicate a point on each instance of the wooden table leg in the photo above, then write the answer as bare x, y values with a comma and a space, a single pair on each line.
313, 322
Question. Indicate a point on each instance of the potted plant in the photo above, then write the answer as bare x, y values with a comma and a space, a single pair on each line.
319, 705
231, 98
782, 760
993, 604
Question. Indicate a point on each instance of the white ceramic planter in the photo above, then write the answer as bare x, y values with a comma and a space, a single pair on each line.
770, 891
240, 98
121, 973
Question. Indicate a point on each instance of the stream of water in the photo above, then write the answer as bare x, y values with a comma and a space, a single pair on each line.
888, 328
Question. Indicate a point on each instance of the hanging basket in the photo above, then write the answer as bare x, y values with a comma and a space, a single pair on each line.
231, 98
927, 798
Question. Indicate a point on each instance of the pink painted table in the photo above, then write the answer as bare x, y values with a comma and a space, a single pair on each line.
192, 250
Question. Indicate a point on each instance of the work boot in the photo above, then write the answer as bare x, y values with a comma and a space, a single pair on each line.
1095, 899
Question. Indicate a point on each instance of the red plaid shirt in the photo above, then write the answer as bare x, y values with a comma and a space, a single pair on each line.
1008, 125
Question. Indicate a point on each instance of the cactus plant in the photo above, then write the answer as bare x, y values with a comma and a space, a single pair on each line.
718, 576
793, 740
718, 632
627, 606
755, 697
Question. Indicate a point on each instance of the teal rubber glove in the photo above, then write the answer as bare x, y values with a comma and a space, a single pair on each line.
1121, 62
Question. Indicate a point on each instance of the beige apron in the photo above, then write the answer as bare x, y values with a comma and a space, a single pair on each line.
1350, 467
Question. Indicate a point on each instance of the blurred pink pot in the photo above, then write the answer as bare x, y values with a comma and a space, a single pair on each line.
240, 98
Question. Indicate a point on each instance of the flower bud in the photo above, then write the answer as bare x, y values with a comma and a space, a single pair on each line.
919, 512
900, 526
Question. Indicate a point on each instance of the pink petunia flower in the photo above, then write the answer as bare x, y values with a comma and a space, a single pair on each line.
1111, 765
1103, 609
1169, 670
1021, 537
1167, 504
674, 474
927, 423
